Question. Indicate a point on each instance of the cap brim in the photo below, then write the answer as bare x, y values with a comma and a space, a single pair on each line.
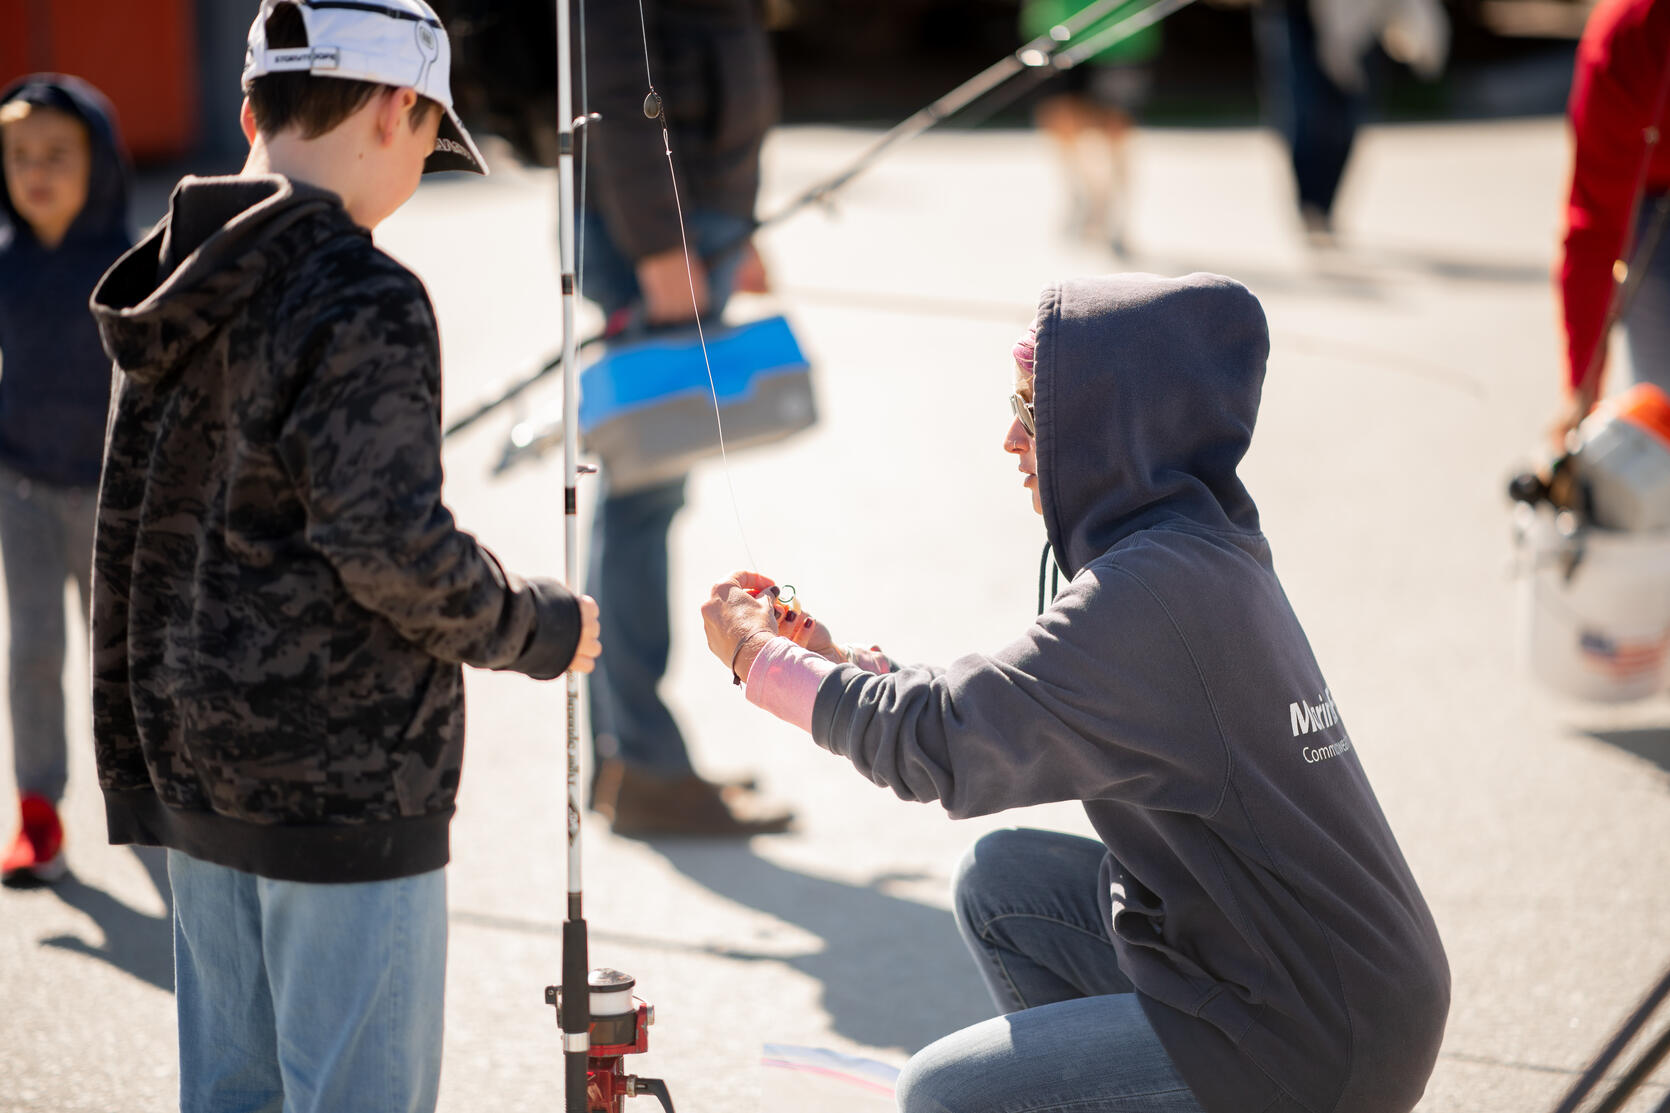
454, 149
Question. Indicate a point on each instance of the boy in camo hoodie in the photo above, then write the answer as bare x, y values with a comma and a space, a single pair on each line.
281, 600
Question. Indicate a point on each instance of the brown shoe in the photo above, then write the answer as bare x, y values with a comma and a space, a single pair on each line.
609, 770
641, 805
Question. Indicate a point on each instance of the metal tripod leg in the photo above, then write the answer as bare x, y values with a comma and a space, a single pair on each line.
1615, 1048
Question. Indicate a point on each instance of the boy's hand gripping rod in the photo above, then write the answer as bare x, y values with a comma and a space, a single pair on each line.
1048, 53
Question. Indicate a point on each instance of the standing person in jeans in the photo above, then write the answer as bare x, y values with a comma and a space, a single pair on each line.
63, 220
1316, 84
712, 66
1619, 202
1243, 935
282, 601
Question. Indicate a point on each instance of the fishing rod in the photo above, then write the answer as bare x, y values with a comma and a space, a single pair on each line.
573, 1003
1043, 56
601, 1020
1050, 53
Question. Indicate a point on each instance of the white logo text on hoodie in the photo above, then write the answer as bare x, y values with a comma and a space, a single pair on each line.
1306, 717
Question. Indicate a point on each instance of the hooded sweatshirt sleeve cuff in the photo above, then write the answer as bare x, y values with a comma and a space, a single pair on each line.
556, 632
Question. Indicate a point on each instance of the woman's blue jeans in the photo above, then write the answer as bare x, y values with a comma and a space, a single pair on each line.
299, 998
1073, 1035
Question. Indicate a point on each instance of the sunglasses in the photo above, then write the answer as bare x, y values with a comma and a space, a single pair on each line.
1023, 410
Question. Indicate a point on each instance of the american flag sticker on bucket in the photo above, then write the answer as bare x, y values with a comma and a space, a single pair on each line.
1622, 659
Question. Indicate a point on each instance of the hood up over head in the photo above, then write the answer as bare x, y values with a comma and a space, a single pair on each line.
1146, 390
105, 215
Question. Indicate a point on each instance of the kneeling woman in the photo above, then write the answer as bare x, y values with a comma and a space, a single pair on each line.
1246, 936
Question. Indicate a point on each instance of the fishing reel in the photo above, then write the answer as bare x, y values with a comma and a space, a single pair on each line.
619, 1027
1558, 484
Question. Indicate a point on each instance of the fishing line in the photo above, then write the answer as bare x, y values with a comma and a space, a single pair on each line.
656, 109
1057, 47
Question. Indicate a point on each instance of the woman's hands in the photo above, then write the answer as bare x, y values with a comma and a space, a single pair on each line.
742, 614
808, 633
739, 619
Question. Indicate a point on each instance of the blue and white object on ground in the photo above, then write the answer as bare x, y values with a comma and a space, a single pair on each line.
817, 1080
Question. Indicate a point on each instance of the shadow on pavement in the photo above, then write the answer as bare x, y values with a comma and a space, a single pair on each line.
1363, 272
1327, 273
136, 942
1652, 743
1456, 268
894, 972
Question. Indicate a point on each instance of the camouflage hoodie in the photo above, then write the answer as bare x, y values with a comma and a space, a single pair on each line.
281, 601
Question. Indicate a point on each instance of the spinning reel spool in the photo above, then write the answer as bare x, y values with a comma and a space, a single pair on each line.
619, 1027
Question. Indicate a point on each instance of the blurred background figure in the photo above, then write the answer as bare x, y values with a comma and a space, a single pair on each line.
1314, 56
712, 66
64, 183
1089, 112
713, 71
1619, 201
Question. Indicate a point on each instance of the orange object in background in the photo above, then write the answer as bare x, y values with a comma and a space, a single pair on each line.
1624, 462
1647, 406
142, 55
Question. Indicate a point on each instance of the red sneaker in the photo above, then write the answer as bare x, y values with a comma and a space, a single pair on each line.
37, 854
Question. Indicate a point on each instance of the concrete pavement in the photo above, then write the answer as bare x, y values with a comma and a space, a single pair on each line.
1410, 370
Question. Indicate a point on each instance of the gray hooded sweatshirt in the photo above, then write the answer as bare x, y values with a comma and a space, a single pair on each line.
1253, 891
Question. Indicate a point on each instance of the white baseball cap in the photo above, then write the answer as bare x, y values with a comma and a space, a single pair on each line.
388, 42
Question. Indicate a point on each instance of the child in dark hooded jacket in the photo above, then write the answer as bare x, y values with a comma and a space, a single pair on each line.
63, 221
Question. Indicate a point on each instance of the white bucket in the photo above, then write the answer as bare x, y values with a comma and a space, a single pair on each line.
1599, 628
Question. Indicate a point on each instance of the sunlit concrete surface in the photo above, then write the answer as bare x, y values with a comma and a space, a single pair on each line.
1411, 368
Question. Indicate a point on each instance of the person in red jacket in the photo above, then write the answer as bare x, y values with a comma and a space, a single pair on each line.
1620, 197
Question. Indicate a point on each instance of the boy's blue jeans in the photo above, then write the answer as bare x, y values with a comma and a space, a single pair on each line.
299, 998
1073, 1035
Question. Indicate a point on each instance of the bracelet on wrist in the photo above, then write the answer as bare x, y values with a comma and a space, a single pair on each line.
735, 679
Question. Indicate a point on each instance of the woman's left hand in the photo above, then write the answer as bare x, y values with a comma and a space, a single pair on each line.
808, 633
735, 616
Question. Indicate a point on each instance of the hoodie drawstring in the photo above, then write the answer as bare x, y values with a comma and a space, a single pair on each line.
1045, 564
